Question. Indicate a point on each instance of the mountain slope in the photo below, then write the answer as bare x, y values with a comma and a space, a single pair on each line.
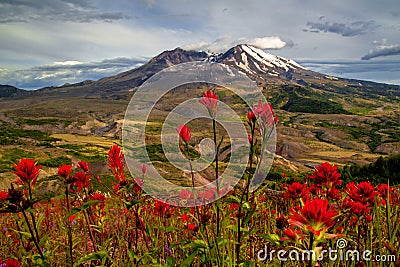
259, 64
118, 86
10, 91
320, 117
264, 68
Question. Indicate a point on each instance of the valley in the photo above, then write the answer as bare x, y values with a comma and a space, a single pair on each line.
321, 118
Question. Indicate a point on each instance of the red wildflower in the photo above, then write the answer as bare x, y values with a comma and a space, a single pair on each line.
162, 209
315, 190
316, 216
184, 217
384, 190
185, 194
353, 221
184, 133
192, 227
81, 180
210, 193
358, 208
291, 234
71, 219
210, 101
265, 113
368, 218
27, 171
364, 192
144, 169
333, 193
64, 171
339, 229
116, 187
10, 263
326, 175
3, 196
100, 197
116, 163
84, 166
138, 185
233, 206
250, 138
251, 117
297, 190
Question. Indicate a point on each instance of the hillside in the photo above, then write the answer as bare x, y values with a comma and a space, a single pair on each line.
321, 118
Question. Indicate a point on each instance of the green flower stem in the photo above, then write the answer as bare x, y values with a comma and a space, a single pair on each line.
69, 230
310, 248
32, 234
245, 193
31, 213
216, 172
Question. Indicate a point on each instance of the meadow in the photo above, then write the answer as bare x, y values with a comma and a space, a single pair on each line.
108, 220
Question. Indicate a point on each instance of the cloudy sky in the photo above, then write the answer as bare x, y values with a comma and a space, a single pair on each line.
53, 42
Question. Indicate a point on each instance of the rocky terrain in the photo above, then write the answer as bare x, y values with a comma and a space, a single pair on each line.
321, 118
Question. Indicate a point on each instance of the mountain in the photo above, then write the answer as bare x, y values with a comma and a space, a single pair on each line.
257, 64
118, 86
10, 91
321, 117
260, 66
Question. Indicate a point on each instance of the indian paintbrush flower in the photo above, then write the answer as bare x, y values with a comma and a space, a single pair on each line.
27, 171
210, 101
315, 216
184, 133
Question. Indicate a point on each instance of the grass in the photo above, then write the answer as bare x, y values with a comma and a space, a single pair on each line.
12, 155
11, 135
43, 121
86, 139
55, 162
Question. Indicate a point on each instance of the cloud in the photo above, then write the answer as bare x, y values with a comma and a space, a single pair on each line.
54, 10
347, 30
382, 51
267, 42
60, 73
378, 71
223, 43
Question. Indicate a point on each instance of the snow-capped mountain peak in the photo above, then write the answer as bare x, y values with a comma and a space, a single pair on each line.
254, 61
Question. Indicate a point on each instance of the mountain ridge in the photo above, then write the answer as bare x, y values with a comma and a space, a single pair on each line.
258, 65
321, 117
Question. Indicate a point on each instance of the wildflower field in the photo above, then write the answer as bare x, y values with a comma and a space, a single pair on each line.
124, 226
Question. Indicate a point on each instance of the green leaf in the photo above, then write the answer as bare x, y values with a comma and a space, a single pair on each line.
232, 199
171, 229
246, 205
188, 260
130, 204
234, 228
91, 257
273, 238
39, 221
248, 217
20, 232
198, 243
